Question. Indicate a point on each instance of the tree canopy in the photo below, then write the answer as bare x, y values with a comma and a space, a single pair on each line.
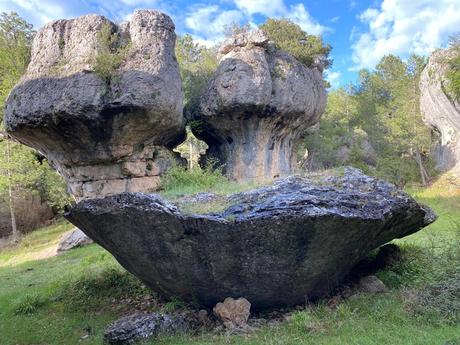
288, 36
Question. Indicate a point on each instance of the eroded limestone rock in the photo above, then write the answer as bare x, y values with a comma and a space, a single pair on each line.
104, 134
276, 245
440, 110
258, 104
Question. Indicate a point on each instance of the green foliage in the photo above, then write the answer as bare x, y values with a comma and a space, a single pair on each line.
28, 304
111, 53
28, 172
15, 43
453, 74
376, 125
288, 36
196, 65
180, 180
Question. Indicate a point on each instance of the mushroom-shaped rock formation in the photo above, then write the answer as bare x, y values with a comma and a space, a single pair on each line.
102, 102
440, 110
260, 101
276, 245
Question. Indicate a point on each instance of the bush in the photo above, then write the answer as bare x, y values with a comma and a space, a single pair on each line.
97, 288
28, 304
178, 180
290, 37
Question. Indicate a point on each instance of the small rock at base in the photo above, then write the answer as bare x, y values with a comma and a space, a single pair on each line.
135, 327
372, 284
234, 314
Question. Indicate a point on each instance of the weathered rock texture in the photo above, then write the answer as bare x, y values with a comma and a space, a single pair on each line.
234, 313
73, 239
105, 135
258, 104
440, 110
138, 327
276, 245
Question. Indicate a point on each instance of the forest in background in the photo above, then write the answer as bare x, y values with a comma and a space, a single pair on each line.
374, 124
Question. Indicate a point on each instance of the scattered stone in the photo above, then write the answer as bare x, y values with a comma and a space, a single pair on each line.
136, 327
203, 317
276, 245
372, 284
234, 314
73, 239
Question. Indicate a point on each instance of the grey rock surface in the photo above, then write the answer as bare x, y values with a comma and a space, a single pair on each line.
372, 284
73, 239
105, 135
133, 328
276, 245
441, 111
260, 101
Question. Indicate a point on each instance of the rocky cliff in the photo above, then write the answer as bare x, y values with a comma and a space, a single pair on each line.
102, 102
260, 101
440, 110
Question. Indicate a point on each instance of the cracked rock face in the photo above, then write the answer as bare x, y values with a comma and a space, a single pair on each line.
258, 104
105, 135
440, 111
276, 245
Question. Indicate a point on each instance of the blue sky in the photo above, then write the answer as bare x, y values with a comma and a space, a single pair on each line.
360, 31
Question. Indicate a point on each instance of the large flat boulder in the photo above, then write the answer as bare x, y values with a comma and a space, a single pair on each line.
276, 245
102, 101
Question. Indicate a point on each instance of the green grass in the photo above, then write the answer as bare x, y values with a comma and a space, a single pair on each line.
70, 299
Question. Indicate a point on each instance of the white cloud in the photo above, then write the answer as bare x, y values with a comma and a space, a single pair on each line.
299, 15
278, 9
35, 11
403, 27
333, 78
208, 22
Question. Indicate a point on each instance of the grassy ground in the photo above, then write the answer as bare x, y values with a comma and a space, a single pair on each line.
69, 299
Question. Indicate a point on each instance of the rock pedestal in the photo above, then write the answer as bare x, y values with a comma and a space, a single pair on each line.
258, 104
105, 132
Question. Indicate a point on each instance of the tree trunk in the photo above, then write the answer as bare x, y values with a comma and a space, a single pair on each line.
15, 233
423, 173
190, 160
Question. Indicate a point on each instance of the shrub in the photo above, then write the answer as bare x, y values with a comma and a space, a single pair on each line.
179, 180
95, 288
111, 53
290, 37
28, 304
